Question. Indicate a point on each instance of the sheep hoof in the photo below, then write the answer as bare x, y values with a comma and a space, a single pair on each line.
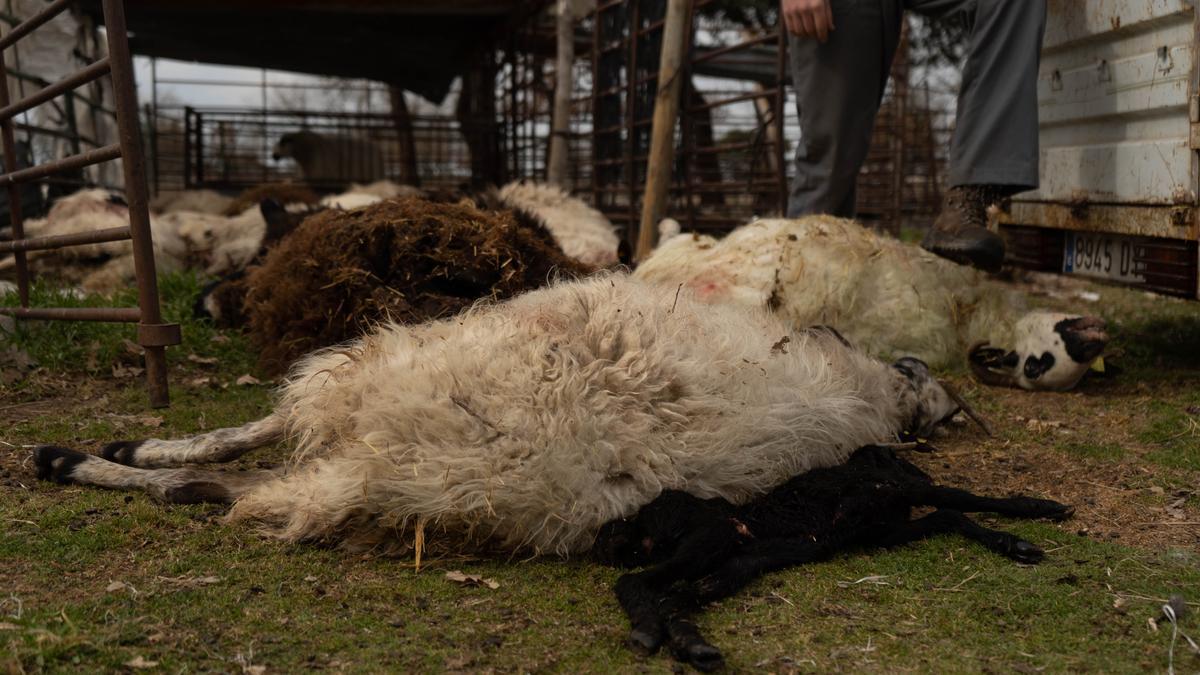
121, 452
643, 642
1055, 511
1025, 552
704, 657
56, 464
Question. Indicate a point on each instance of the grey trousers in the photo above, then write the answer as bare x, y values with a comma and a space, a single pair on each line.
839, 86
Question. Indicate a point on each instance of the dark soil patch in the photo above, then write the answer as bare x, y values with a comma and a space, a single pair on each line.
1078, 448
408, 260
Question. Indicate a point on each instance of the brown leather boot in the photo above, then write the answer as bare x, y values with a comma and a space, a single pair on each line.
960, 232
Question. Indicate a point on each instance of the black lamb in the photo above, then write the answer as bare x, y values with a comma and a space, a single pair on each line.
699, 550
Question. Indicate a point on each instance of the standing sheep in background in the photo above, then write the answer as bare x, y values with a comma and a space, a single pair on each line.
529, 424
712, 548
891, 298
331, 161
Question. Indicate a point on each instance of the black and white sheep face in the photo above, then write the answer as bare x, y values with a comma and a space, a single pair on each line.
935, 405
1052, 352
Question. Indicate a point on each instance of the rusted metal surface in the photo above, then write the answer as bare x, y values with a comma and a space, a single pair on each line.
61, 240
153, 334
111, 314
1115, 94
1175, 222
1119, 123
92, 72
79, 161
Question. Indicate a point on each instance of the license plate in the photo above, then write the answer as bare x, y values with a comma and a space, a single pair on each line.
1102, 256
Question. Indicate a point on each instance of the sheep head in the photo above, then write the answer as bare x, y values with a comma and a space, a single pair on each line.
934, 406
1052, 352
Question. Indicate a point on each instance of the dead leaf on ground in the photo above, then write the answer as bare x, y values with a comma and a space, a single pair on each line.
122, 372
4, 625
471, 580
200, 381
140, 663
248, 381
203, 360
191, 581
219, 339
133, 347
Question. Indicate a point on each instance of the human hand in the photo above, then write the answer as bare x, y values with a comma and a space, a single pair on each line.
807, 18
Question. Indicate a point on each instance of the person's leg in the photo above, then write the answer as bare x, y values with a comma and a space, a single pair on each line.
839, 86
996, 131
995, 148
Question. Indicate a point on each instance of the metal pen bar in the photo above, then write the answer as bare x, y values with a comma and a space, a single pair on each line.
111, 151
96, 70
32, 23
62, 240
130, 147
115, 314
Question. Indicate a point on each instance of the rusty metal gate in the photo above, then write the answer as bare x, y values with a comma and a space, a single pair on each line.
152, 334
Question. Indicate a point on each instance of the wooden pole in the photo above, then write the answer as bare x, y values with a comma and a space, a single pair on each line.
558, 164
405, 139
662, 134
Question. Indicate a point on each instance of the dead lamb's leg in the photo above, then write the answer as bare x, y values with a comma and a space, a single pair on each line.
221, 445
178, 486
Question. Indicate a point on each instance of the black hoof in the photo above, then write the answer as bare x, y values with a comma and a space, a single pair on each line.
121, 452
56, 464
703, 657
1046, 508
1025, 552
642, 642
1057, 511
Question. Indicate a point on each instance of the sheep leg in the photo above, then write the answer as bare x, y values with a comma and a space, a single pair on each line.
687, 643
759, 558
221, 445
641, 594
946, 521
1017, 507
177, 486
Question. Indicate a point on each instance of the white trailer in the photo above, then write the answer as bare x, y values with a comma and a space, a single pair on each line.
1119, 133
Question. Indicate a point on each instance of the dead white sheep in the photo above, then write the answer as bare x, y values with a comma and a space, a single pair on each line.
194, 201
581, 231
892, 299
527, 425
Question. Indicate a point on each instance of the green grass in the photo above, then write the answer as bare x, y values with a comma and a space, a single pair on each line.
944, 605
94, 347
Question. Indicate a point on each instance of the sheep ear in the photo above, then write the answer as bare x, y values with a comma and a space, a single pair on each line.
625, 253
279, 221
993, 366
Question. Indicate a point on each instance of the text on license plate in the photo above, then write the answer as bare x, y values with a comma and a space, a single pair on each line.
1103, 256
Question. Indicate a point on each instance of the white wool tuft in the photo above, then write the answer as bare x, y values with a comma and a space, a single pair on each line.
384, 189
581, 231
349, 201
527, 425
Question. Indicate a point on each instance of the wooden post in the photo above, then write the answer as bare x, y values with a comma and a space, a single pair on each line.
662, 134
558, 164
405, 140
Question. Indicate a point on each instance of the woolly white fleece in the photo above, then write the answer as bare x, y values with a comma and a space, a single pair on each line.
527, 425
890, 298
581, 231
